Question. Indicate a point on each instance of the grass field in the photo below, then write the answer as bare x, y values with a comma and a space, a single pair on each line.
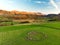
15, 35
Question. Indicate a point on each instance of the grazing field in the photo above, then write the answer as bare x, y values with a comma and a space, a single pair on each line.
32, 34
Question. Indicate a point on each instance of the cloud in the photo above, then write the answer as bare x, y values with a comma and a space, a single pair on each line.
38, 2
54, 4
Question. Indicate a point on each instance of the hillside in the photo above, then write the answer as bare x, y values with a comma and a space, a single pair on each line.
14, 12
20, 16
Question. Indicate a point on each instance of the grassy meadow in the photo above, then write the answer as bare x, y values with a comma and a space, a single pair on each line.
16, 34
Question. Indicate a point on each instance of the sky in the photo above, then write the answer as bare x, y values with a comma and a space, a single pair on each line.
44, 6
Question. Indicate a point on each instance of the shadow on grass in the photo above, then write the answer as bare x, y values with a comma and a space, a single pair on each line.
50, 27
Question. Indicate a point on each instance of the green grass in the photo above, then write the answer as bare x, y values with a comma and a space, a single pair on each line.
15, 35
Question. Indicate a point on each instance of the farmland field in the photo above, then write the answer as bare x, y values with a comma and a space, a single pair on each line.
17, 34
